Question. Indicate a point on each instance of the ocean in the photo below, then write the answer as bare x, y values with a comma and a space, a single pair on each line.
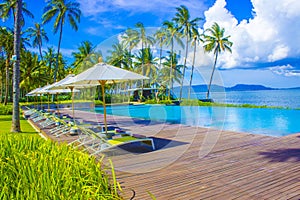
284, 98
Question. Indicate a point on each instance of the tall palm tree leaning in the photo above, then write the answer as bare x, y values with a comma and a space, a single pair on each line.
171, 35
38, 34
196, 38
146, 42
216, 41
15, 126
61, 10
185, 26
130, 40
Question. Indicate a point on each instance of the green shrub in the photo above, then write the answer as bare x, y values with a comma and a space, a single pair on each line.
5, 110
32, 168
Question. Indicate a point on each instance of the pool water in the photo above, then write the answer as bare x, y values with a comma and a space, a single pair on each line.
273, 122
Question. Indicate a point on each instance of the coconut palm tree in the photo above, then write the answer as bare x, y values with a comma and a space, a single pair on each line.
145, 41
171, 72
172, 35
6, 43
185, 26
130, 40
49, 59
83, 55
160, 36
15, 126
61, 11
196, 39
33, 72
216, 42
38, 34
118, 56
147, 59
8, 9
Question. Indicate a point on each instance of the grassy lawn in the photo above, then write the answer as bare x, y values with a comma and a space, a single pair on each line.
5, 125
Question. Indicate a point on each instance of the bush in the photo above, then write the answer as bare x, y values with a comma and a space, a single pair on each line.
5, 110
32, 168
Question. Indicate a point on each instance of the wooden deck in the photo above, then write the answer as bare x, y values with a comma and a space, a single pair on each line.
200, 163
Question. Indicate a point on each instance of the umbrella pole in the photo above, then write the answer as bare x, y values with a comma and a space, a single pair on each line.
73, 112
48, 103
41, 101
57, 103
104, 106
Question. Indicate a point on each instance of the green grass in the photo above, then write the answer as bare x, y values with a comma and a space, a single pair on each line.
5, 125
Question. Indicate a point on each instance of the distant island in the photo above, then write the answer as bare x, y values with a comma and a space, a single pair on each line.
238, 87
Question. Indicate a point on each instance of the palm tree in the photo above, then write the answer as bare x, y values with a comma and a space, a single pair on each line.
8, 9
196, 38
83, 55
130, 40
38, 34
171, 35
171, 72
147, 59
146, 41
49, 59
33, 72
62, 11
160, 35
15, 126
7, 40
185, 26
216, 41
118, 56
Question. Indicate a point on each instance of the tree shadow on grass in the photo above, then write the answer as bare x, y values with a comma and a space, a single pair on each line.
282, 155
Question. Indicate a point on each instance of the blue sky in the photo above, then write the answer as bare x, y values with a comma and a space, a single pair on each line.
264, 32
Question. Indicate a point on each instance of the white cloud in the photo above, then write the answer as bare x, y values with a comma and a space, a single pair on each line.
278, 53
285, 70
270, 36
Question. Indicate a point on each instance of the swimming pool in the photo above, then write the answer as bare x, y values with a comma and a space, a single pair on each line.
273, 122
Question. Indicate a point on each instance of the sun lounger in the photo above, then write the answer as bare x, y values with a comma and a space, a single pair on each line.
98, 142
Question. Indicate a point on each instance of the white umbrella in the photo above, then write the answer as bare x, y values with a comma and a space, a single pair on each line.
34, 93
101, 74
62, 85
48, 89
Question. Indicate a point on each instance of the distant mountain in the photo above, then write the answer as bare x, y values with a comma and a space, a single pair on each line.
218, 88
295, 88
244, 87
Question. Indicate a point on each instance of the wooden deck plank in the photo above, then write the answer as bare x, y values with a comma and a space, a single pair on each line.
238, 165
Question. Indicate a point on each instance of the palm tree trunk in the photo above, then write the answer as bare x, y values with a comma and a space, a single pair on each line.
184, 66
6, 79
15, 127
58, 49
171, 70
192, 73
212, 74
142, 92
40, 50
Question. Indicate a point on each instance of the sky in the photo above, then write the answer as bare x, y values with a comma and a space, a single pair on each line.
264, 33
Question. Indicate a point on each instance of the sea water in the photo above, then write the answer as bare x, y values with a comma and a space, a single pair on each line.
283, 98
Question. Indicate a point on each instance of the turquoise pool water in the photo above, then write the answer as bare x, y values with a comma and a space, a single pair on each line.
273, 122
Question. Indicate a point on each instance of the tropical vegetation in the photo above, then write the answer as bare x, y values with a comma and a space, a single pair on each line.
32, 168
